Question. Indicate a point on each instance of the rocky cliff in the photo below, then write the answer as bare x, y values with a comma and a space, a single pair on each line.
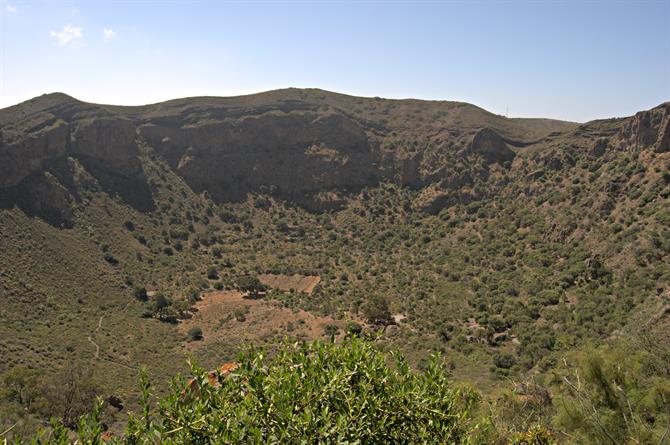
300, 145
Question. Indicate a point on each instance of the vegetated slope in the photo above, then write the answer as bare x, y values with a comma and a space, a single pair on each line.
502, 242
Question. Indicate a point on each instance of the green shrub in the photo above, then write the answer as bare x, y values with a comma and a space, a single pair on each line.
250, 284
240, 314
161, 302
504, 360
330, 330
354, 328
111, 259
195, 333
179, 233
141, 294
313, 393
376, 310
212, 273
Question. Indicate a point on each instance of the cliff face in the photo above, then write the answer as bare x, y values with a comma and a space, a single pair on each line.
43, 130
46, 141
289, 153
649, 128
299, 145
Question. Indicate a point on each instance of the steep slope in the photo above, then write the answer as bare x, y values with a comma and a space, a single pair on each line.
259, 143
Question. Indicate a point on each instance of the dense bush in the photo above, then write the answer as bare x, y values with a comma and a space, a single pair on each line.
376, 310
141, 294
311, 393
250, 284
617, 394
212, 273
195, 333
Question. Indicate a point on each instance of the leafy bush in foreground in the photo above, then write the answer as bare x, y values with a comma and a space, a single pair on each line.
306, 393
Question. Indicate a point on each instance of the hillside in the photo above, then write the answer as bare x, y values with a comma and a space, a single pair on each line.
232, 147
504, 244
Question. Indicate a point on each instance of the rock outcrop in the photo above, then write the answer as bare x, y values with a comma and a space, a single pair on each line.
292, 153
307, 146
491, 146
599, 147
649, 129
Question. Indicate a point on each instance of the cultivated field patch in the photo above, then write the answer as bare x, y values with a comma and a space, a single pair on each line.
300, 283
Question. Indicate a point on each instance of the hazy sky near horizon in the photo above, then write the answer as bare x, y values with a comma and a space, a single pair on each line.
561, 59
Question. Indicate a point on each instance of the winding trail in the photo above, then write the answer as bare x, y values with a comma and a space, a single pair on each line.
90, 338
96, 355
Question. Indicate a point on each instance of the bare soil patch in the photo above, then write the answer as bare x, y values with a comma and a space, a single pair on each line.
227, 316
300, 283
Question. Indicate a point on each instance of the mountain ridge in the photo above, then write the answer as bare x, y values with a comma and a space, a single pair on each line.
341, 142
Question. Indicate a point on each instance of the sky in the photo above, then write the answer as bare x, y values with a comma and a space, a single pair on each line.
572, 60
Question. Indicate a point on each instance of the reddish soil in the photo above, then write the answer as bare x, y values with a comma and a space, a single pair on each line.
228, 316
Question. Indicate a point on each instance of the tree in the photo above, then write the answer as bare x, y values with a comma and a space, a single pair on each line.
20, 385
616, 394
69, 394
354, 329
504, 360
250, 284
376, 310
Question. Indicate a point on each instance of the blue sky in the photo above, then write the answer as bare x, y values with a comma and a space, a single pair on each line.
568, 60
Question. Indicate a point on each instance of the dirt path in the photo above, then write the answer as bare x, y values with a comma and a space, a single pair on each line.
96, 355
90, 339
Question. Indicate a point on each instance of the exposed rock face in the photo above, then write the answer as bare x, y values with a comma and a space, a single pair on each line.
111, 140
307, 146
41, 194
40, 140
599, 147
649, 128
28, 155
491, 146
663, 141
293, 153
